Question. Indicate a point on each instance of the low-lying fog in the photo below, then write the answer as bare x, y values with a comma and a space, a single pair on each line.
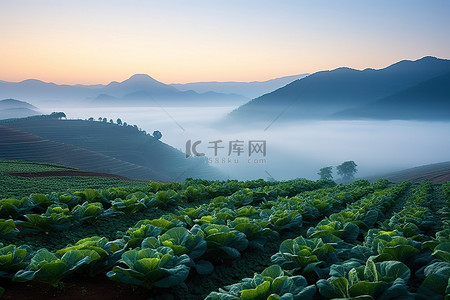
292, 150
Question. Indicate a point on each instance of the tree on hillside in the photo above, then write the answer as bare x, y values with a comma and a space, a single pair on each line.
111, 121
119, 122
125, 124
58, 115
91, 119
100, 119
157, 134
105, 120
347, 170
326, 173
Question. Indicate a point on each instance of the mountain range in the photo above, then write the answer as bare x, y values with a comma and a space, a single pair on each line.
141, 90
138, 90
405, 90
247, 89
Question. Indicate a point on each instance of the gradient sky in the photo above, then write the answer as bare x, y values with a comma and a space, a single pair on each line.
89, 42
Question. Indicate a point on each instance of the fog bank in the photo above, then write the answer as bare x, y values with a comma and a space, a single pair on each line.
297, 149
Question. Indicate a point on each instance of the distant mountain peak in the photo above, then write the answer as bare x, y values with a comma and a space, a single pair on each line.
429, 57
141, 78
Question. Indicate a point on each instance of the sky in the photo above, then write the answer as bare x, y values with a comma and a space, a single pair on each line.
96, 42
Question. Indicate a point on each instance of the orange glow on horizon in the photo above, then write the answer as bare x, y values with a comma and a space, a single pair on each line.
96, 42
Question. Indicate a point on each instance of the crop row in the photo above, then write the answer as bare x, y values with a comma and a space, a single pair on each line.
59, 211
193, 238
332, 261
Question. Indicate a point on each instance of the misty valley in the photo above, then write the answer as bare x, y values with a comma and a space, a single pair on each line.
295, 149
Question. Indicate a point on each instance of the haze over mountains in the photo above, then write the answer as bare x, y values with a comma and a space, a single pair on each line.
141, 90
248, 89
407, 90
11, 108
422, 85
138, 90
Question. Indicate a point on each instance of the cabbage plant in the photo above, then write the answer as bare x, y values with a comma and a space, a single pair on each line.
383, 280
302, 256
88, 212
47, 267
55, 218
334, 231
128, 206
12, 208
8, 229
151, 267
223, 242
273, 283
12, 259
256, 234
108, 252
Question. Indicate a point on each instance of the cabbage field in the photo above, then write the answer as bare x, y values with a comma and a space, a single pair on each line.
297, 239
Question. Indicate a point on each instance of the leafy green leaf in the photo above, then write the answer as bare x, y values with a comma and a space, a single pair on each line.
367, 288
391, 270
340, 286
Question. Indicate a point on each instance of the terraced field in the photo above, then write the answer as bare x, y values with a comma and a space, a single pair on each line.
98, 147
437, 173
15, 144
199, 239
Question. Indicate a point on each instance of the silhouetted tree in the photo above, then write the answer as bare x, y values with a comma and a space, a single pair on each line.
347, 170
58, 115
157, 134
111, 121
119, 122
100, 119
105, 120
125, 124
91, 119
326, 173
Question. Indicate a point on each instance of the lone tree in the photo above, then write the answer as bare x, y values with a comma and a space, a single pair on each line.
326, 173
58, 115
347, 170
119, 122
157, 134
